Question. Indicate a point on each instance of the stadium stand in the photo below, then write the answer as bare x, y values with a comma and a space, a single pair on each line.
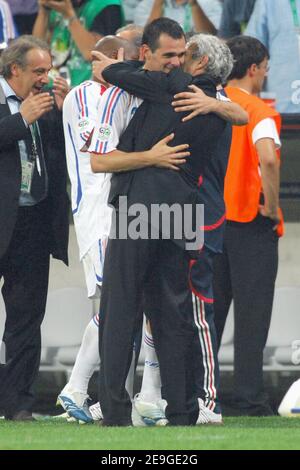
285, 327
284, 334
290, 168
68, 311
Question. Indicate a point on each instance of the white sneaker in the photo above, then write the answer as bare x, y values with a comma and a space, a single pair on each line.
206, 416
75, 404
64, 416
96, 412
61, 416
150, 413
290, 405
162, 404
136, 418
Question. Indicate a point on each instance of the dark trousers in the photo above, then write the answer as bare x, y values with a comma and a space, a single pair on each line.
246, 272
205, 346
25, 270
153, 273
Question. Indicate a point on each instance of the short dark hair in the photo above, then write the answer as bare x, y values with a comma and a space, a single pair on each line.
246, 51
153, 31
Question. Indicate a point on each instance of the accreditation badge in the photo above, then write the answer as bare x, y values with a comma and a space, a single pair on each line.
27, 174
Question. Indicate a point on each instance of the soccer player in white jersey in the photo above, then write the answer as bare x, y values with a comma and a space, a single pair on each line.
92, 216
89, 192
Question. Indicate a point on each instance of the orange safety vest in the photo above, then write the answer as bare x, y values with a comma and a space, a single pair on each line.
243, 185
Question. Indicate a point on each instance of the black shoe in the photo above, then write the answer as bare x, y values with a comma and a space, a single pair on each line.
22, 415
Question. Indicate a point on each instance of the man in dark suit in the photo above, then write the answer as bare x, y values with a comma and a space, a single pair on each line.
154, 270
33, 213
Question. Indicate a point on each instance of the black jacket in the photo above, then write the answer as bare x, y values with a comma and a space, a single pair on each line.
13, 129
155, 119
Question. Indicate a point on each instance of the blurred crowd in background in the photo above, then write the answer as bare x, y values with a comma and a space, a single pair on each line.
73, 26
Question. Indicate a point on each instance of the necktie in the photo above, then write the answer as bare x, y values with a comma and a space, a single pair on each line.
39, 178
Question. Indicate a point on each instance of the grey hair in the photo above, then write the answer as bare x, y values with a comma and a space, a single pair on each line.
130, 27
137, 30
16, 53
220, 59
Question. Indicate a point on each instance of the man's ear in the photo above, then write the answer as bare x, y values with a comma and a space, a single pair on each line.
145, 51
114, 54
203, 62
252, 70
201, 65
15, 70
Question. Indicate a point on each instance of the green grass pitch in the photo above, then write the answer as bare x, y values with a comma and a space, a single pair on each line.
236, 433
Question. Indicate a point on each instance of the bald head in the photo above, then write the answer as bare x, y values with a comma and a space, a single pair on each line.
109, 46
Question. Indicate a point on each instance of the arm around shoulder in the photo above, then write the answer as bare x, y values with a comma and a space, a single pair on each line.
145, 84
232, 112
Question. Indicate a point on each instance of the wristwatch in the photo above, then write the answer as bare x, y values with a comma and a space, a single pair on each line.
69, 21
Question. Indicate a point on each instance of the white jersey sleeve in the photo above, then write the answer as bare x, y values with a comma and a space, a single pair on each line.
86, 102
89, 191
266, 129
114, 114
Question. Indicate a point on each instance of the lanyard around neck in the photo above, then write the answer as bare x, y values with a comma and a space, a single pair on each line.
295, 14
